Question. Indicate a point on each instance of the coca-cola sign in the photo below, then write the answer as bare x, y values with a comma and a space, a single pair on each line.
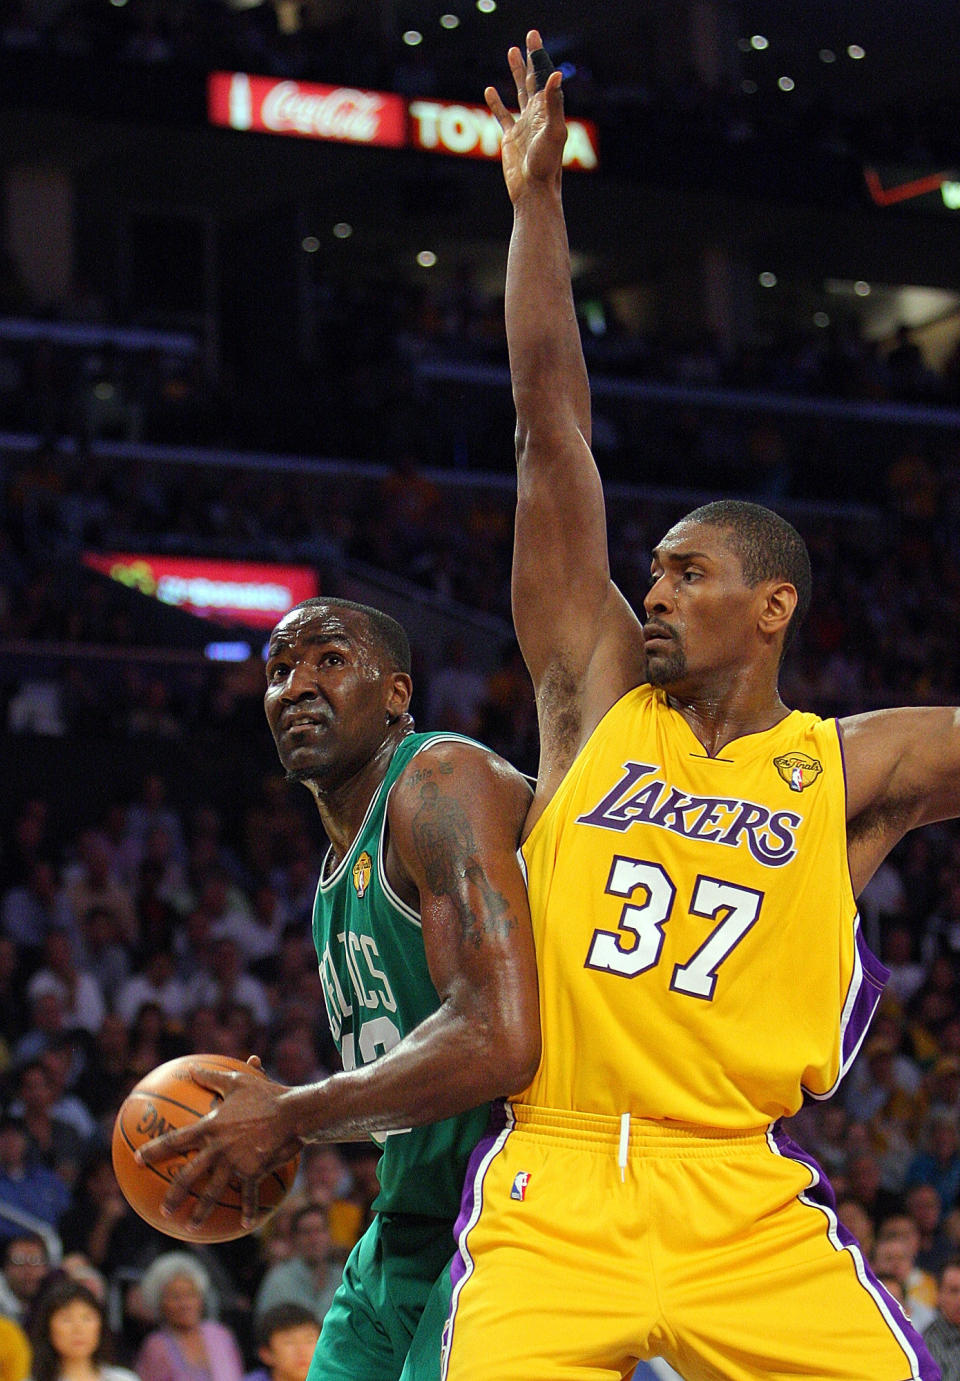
306, 110
237, 100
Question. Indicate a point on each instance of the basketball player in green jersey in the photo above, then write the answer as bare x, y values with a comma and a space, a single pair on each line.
426, 959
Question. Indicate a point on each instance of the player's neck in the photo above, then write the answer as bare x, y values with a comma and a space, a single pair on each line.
343, 807
720, 713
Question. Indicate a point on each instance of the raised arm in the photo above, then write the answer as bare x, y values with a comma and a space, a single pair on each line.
903, 771
454, 820
569, 616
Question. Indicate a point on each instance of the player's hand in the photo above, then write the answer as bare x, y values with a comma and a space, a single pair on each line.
533, 141
242, 1139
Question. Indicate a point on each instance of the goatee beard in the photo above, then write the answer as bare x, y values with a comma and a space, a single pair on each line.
304, 775
666, 670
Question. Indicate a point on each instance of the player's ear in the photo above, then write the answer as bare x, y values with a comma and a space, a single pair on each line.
401, 689
780, 600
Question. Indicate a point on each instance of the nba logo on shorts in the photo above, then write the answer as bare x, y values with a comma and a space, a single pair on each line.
520, 1181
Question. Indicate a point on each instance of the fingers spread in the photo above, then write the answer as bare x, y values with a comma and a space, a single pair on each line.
492, 97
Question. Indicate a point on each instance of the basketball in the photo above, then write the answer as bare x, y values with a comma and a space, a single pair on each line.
163, 1100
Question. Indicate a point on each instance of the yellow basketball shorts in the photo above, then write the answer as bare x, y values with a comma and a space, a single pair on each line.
587, 1243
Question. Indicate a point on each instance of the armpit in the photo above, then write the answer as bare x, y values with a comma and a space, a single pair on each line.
560, 712
886, 820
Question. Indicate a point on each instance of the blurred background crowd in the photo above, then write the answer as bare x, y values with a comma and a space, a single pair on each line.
193, 364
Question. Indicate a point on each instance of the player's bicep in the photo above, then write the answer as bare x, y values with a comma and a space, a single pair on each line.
456, 826
903, 761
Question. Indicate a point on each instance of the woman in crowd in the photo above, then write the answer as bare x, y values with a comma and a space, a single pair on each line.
185, 1346
70, 1338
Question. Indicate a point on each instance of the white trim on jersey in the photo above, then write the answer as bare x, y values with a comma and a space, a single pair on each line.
398, 903
327, 882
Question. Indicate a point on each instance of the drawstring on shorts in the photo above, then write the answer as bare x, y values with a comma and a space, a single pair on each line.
624, 1143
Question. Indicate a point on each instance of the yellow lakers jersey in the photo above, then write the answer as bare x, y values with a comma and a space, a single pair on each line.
699, 947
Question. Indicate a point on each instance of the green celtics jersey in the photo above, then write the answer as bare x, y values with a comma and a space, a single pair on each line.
377, 988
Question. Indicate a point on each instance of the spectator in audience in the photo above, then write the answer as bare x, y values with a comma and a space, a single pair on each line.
154, 982
101, 1224
90, 882
896, 1252
151, 811
29, 911
261, 935
942, 1336
29, 842
107, 1074
102, 950
292, 980
925, 1208
898, 950
185, 1346
325, 1178
25, 1264
294, 1058
221, 901
152, 1042
310, 1276
222, 980
52, 1140
286, 1336
26, 1187
937, 1163
64, 1061
864, 1184
79, 993
69, 1335
857, 1220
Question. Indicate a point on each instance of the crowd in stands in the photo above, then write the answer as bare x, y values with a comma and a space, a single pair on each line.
395, 366
880, 631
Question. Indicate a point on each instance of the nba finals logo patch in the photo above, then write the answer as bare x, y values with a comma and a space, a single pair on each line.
520, 1181
797, 770
361, 874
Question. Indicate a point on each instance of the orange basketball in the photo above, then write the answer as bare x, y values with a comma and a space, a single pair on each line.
166, 1098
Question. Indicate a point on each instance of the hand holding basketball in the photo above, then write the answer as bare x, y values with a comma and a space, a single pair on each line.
209, 1167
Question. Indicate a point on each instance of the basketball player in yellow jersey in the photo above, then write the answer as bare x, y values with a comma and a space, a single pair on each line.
694, 852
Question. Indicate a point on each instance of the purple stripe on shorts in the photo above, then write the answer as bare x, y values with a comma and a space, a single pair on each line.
473, 1185
821, 1195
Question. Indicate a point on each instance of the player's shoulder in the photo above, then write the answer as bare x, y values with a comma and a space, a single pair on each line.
462, 766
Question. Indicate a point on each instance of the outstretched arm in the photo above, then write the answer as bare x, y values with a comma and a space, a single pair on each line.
578, 637
903, 771
454, 823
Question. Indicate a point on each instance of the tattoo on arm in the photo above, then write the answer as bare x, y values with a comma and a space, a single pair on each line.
447, 849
